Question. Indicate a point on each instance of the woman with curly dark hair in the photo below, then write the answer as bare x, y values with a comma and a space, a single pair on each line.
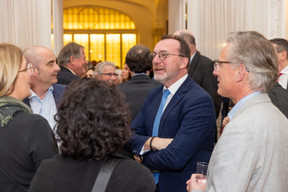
93, 124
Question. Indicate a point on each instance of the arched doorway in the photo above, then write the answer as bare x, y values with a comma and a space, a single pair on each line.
105, 33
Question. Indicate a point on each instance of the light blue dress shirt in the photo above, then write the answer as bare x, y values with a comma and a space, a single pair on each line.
45, 107
238, 105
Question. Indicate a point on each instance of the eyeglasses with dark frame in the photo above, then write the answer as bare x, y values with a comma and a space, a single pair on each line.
163, 55
29, 67
110, 74
217, 64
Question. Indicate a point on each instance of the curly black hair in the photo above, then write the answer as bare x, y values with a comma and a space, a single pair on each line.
93, 120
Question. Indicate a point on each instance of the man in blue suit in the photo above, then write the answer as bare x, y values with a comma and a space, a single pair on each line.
46, 95
185, 133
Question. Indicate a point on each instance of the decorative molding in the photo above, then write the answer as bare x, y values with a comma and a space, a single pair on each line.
274, 20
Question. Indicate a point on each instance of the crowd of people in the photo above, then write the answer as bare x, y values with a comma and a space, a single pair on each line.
72, 125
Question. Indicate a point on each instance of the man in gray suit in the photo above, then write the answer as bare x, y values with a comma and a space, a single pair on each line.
251, 154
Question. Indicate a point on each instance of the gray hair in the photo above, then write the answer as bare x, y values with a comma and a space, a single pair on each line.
71, 49
188, 37
99, 67
258, 55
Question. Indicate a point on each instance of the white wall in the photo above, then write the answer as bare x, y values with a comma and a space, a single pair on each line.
26, 22
211, 21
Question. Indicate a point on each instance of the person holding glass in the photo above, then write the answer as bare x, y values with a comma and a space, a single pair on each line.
25, 138
251, 154
93, 124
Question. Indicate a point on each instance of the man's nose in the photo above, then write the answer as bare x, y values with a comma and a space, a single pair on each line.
57, 68
215, 72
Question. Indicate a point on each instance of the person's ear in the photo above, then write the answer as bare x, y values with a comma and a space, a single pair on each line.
283, 55
35, 71
72, 59
241, 73
184, 63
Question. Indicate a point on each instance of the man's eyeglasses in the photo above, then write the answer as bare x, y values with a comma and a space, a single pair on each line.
29, 67
218, 64
110, 74
163, 55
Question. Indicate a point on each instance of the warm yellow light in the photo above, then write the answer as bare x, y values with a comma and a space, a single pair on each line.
128, 41
110, 47
97, 45
67, 38
79, 18
113, 48
82, 39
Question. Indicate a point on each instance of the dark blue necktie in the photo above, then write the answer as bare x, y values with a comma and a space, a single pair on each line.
157, 123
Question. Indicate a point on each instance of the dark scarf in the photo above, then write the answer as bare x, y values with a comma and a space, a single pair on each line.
8, 107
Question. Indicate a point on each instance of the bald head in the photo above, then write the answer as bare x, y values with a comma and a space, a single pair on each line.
34, 54
189, 38
45, 68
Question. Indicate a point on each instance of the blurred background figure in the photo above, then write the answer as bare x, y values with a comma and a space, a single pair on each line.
72, 61
281, 47
93, 125
125, 74
138, 62
201, 71
106, 71
90, 73
25, 138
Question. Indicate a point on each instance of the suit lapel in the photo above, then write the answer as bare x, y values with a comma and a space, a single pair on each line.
179, 95
194, 63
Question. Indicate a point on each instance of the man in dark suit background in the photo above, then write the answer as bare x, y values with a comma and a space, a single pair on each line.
72, 61
201, 69
279, 97
46, 94
171, 144
139, 62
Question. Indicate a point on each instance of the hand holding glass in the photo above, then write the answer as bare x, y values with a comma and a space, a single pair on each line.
201, 172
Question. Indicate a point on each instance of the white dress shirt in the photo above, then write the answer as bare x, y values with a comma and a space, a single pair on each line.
283, 78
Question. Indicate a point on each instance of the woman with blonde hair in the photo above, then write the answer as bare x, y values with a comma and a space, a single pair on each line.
25, 138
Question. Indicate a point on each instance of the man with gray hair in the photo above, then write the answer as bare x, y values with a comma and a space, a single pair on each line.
251, 154
72, 61
106, 71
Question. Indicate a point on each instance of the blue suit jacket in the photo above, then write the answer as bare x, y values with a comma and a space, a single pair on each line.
58, 93
189, 118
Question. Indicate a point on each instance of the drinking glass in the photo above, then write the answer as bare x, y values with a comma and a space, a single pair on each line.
201, 170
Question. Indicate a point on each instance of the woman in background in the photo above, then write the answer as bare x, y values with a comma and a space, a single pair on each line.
125, 74
93, 124
25, 138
